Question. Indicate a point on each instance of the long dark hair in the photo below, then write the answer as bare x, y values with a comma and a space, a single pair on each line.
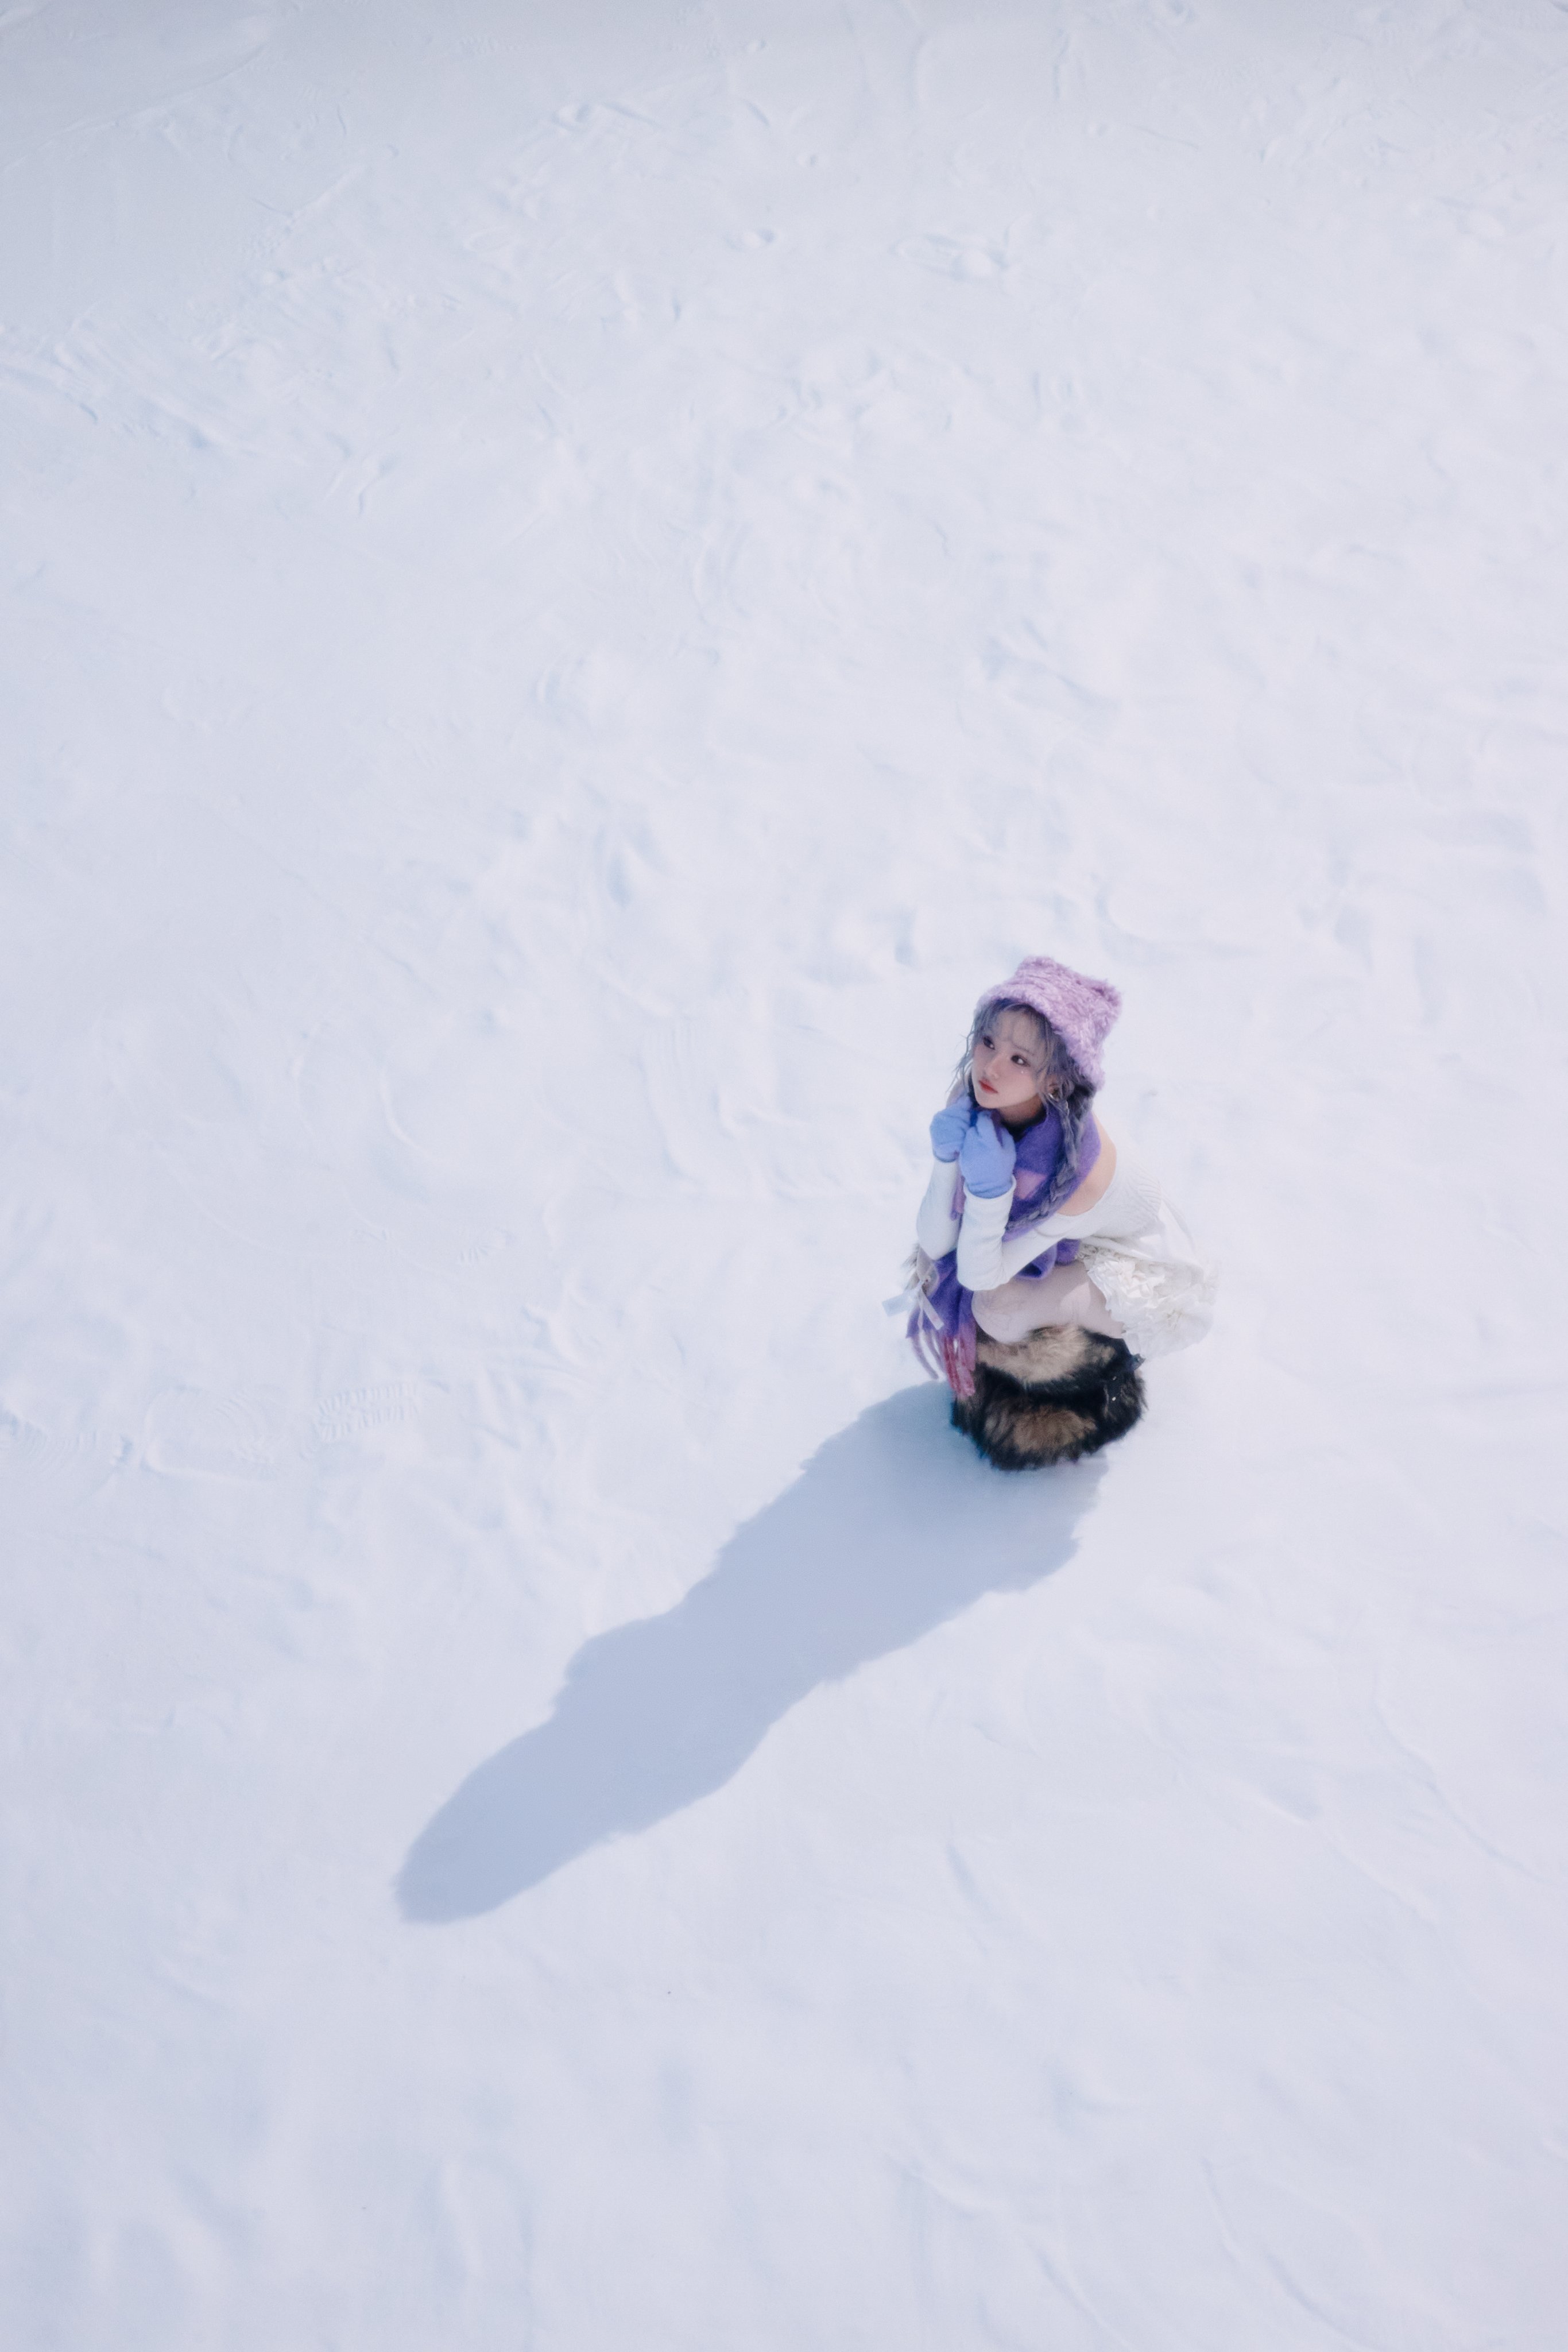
1060, 1087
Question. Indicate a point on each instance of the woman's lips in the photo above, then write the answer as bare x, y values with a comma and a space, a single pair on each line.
986, 1086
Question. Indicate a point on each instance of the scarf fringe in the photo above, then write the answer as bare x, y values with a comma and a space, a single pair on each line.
945, 1355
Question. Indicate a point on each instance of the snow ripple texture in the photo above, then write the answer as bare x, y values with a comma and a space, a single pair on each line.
577, 581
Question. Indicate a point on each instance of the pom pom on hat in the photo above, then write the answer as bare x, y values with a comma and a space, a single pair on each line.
1078, 1009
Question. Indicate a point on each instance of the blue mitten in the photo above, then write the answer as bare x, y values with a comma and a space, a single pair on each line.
986, 1158
949, 1128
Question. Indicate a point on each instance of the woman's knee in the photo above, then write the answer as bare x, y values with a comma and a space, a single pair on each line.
1066, 1294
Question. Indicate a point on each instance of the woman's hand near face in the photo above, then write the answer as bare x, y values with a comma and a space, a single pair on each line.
986, 1158
949, 1128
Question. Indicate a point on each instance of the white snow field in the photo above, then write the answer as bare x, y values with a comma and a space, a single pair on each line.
578, 577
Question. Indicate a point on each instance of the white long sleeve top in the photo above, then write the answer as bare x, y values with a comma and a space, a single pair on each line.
1136, 1247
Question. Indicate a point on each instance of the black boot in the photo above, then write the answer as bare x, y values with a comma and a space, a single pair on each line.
1060, 1392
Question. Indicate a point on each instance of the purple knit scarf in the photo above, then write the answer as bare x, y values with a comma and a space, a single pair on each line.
941, 1328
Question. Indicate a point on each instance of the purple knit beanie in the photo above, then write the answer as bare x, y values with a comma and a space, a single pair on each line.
1080, 1010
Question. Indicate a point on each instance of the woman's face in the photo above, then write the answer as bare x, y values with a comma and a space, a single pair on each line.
1008, 1067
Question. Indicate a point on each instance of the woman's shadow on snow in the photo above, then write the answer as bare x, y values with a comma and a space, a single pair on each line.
894, 1525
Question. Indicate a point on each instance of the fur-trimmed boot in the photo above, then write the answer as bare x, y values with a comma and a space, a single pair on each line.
1049, 1396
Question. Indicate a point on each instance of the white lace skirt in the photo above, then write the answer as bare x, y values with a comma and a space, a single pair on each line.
1162, 1304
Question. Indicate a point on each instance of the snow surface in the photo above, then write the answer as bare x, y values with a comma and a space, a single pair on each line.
578, 578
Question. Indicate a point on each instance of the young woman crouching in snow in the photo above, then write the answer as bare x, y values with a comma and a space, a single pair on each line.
1048, 1264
